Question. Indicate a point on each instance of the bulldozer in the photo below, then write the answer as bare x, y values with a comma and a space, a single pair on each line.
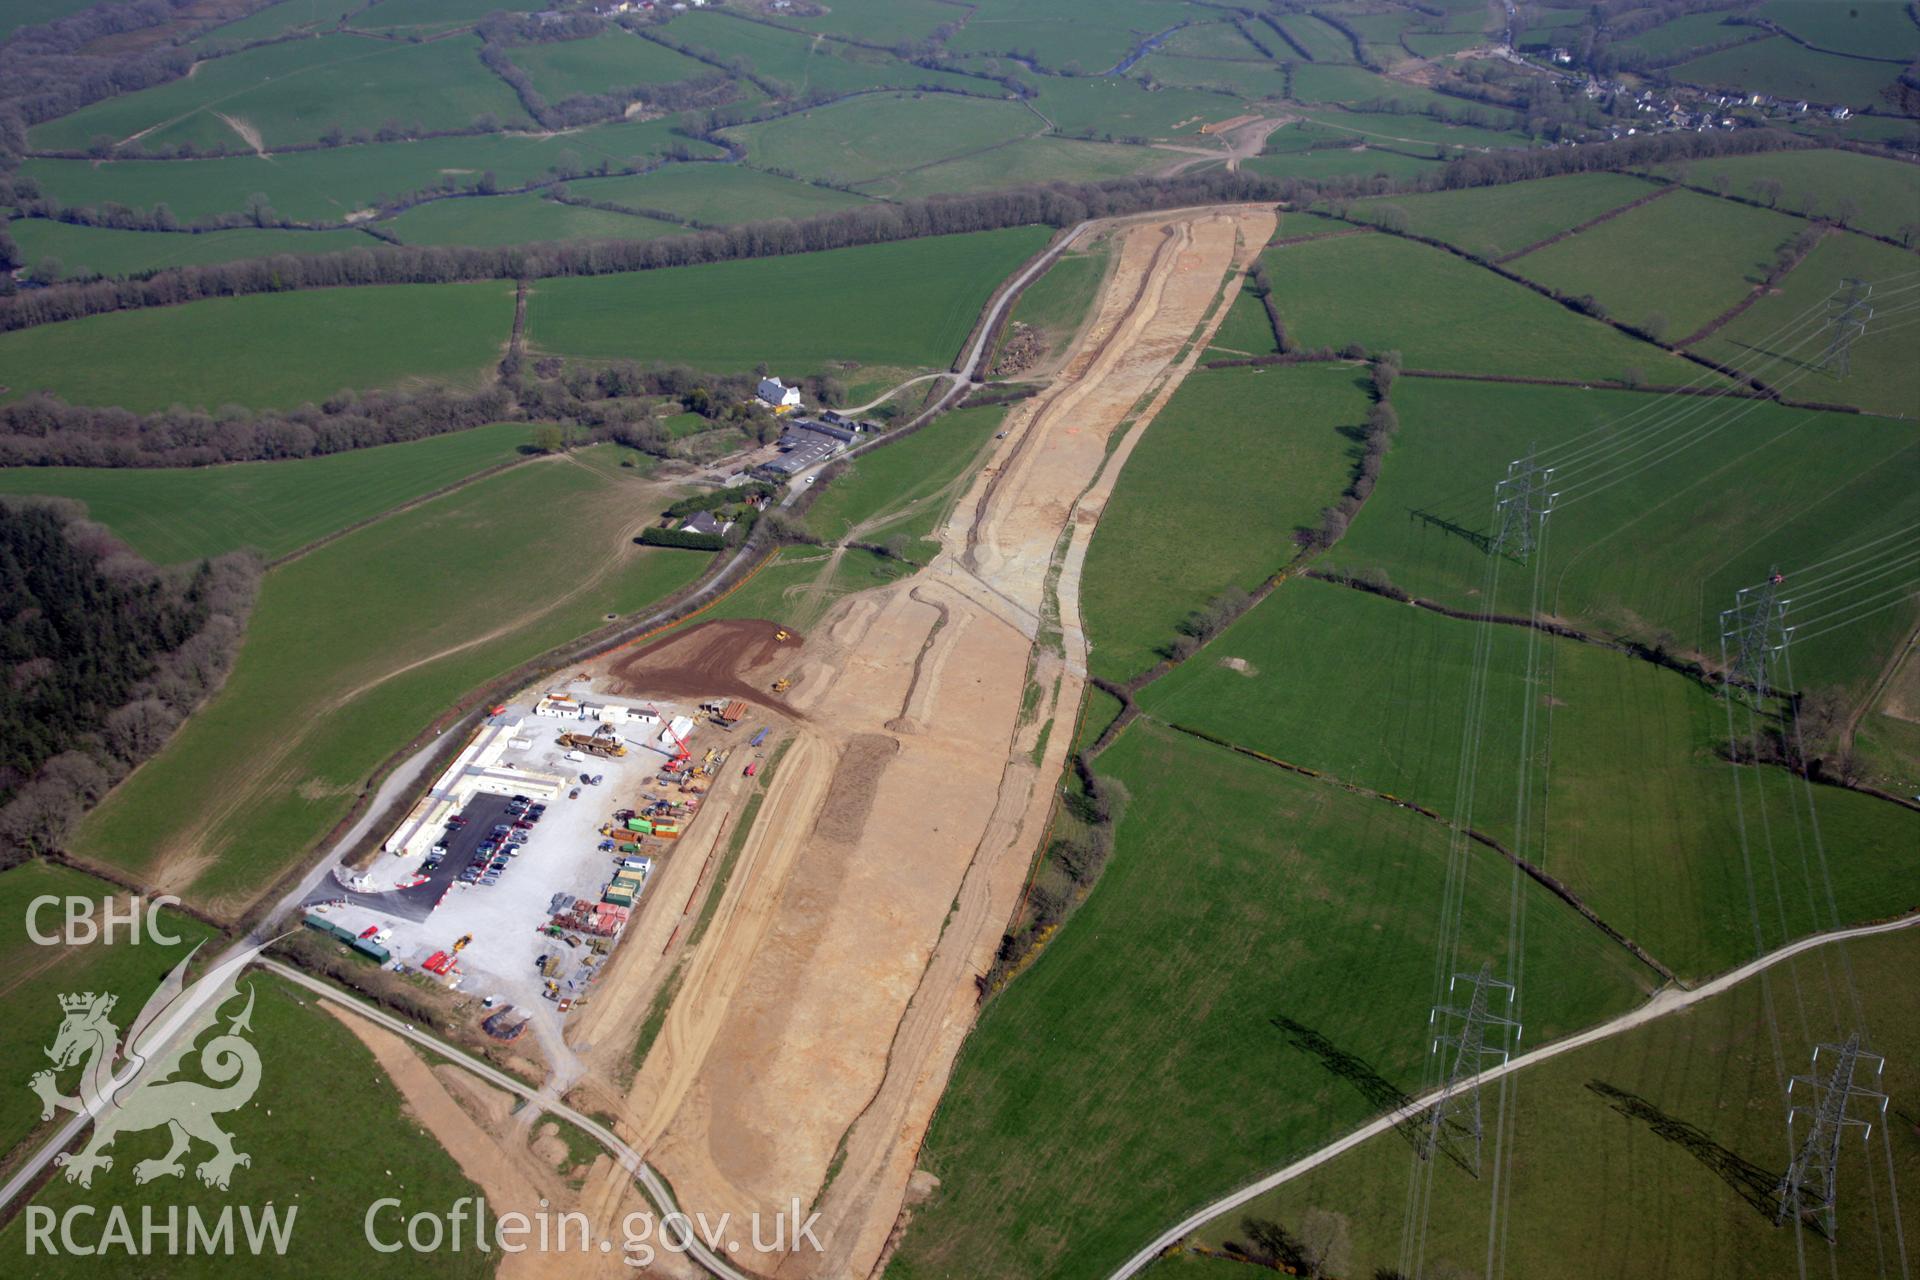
783, 684
783, 634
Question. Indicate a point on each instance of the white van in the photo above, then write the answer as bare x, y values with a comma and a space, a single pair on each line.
575, 756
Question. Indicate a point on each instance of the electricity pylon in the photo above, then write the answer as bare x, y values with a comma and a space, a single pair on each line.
1808, 1186
1454, 1122
1521, 503
1756, 628
1847, 322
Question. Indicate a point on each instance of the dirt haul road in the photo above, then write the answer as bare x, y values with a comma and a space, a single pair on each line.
814, 1027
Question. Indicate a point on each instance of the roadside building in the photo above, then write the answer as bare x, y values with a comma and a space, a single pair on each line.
778, 396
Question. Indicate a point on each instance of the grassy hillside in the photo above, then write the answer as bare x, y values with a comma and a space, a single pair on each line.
1684, 1111
1493, 221
1234, 466
170, 515
716, 194
89, 251
1239, 897
1886, 191
909, 303
1701, 497
357, 647
266, 350
1642, 812
1385, 293
903, 489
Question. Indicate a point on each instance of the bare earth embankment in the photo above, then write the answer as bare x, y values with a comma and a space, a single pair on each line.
814, 1026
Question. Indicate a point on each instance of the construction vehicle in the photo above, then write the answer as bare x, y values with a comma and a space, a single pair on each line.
752, 768
461, 945
681, 754
782, 634
783, 684
594, 744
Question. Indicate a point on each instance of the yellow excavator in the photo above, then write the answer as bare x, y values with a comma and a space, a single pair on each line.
783, 684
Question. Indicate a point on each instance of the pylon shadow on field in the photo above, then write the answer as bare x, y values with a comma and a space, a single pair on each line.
1748, 1180
1382, 1093
1480, 541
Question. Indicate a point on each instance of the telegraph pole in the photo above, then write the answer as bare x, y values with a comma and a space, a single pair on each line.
1455, 1119
1847, 321
1521, 503
1808, 1186
1757, 628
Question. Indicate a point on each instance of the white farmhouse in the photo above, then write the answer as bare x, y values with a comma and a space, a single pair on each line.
778, 396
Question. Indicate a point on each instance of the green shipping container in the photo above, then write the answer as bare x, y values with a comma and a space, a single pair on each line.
639, 824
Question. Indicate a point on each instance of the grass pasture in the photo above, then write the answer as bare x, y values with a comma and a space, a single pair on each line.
1252, 78
1492, 221
308, 1153
1741, 486
359, 645
175, 514
1886, 191
327, 185
1780, 337
1343, 162
1686, 32
106, 251
799, 313
1079, 37
519, 220
601, 64
1682, 1111
274, 20
1113, 107
1869, 28
36, 974
274, 350
1211, 498
1640, 815
404, 15
1685, 258
1386, 292
803, 63
1022, 162
1780, 67
1277, 898
865, 140
295, 92
1409, 131
716, 194
1321, 41
1059, 301
904, 488
883, 22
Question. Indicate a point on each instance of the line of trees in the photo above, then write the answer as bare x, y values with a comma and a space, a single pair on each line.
1375, 436
1059, 205
105, 656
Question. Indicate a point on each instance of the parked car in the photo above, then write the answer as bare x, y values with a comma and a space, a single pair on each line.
574, 794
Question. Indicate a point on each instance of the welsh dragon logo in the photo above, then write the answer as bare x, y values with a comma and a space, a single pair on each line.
140, 1093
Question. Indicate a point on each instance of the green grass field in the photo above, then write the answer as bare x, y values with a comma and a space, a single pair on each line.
1211, 498
1119, 107
1680, 260
1253, 78
1407, 130
310, 1152
1320, 40
519, 220
295, 92
1385, 292
387, 15
31, 13
358, 646
903, 489
1245, 329
602, 64
1058, 302
36, 974
798, 313
1688, 31
716, 194
1493, 221
1684, 1111
886, 22
1144, 1040
802, 63
175, 514
861, 141
1781, 337
799, 584
1779, 66
89, 251
1344, 162
274, 20
1737, 488
1023, 162
326, 186
1641, 818
1074, 36
268, 350
1886, 191
1871, 28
